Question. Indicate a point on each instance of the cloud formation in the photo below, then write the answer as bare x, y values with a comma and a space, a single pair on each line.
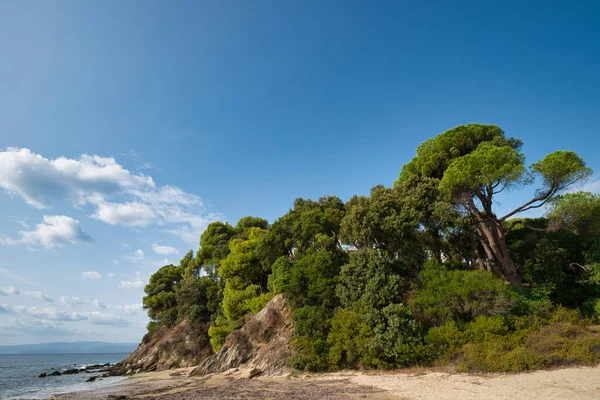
98, 304
71, 301
9, 291
52, 314
100, 318
38, 179
43, 329
44, 313
131, 284
117, 196
161, 249
13, 291
7, 274
55, 231
92, 275
131, 309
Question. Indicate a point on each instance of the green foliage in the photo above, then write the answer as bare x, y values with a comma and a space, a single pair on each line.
348, 339
385, 220
243, 261
313, 279
195, 298
559, 170
160, 299
501, 344
301, 225
446, 295
489, 167
280, 278
396, 339
309, 343
435, 155
578, 212
219, 330
214, 247
246, 223
368, 280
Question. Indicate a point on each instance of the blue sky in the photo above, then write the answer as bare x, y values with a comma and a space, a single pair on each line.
126, 127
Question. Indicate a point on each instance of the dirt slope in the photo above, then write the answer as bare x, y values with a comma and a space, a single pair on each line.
261, 344
184, 345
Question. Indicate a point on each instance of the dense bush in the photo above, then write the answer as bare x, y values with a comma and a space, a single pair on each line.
459, 295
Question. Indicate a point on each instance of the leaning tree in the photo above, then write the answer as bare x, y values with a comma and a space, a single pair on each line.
475, 163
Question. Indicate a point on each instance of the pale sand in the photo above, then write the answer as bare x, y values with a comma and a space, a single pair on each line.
565, 384
562, 384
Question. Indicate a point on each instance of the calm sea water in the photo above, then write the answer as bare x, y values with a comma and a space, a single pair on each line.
19, 374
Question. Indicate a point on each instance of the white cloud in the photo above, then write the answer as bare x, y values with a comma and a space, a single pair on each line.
131, 213
44, 313
115, 262
52, 314
117, 195
99, 318
70, 301
161, 249
10, 290
15, 277
131, 309
56, 230
39, 295
131, 284
91, 275
36, 328
98, 304
36, 178
110, 275
136, 257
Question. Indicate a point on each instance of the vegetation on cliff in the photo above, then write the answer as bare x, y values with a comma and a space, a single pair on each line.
423, 272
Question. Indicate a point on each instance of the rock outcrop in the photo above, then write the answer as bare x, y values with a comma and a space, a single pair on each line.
260, 346
184, 345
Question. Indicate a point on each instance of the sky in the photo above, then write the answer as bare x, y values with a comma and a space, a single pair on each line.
127, 127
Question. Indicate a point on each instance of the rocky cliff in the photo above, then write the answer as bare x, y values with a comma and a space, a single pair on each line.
184, 345
261, 346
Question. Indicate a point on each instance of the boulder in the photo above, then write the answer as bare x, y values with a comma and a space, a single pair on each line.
42, 375
55, 373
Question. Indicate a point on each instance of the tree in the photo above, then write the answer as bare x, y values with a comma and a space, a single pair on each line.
214, 247
476, 162
160, 299
577, 212
312, 224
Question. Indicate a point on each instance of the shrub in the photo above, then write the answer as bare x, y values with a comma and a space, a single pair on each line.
462, 296
499, 344
348, 339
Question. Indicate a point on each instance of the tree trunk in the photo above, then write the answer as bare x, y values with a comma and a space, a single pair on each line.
496, 248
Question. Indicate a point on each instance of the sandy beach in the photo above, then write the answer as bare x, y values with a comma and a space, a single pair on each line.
565, 384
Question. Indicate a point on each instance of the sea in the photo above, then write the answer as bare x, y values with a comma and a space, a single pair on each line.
19, 374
